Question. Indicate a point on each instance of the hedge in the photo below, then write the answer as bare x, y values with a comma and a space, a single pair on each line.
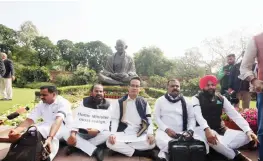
155, 93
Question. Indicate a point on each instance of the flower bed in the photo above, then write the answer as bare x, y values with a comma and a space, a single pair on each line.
250, 115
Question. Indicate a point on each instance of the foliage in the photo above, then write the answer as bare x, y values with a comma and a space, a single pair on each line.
27, 74
97, 53
8, 39
37, 85
84, 76
155, 93
225, 117
190, 87
157, 82
46, 51
64, 80
151, 61
27, 33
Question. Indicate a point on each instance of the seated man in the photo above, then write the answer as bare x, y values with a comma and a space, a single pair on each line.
88, 138
173, 115
208, 108
120, 67
53, 109
132, 130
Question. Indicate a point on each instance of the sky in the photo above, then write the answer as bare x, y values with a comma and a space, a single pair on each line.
172, 25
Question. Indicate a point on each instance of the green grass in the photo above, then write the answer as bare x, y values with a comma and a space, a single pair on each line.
21, 96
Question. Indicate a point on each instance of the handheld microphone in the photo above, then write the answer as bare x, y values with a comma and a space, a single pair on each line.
17, 113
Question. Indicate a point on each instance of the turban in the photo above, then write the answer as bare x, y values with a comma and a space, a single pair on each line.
204, 80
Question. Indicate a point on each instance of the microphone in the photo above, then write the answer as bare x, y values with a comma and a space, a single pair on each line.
17, 113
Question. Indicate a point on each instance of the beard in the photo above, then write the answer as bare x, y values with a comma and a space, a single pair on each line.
209, 92
174, 93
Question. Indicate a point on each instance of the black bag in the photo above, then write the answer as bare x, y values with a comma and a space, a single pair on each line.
29, 147
186, 149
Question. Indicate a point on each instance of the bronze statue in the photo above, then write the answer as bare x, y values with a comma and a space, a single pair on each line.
119, 68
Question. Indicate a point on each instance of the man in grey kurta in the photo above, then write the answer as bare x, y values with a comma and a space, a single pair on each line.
119, 68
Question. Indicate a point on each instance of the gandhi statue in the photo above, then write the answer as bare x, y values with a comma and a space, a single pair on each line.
119, 68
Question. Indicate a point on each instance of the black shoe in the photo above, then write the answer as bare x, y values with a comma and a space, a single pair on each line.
70, 150
241, 157
99, 154
146, 153
160, 159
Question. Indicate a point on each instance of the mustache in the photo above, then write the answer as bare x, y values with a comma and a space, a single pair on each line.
175, 90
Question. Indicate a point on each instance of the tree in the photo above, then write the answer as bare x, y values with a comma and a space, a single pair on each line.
8, 39
46, 51
27, 33
187, 67
151, 61
235, 43
97, 53
68, 52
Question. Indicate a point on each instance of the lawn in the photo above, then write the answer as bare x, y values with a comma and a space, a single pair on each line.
21, 96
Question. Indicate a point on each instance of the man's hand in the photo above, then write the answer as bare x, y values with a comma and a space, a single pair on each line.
13, 78
211, 137
170, 132
112, 139
72, 139
14, 135
48, 144
150, 139
253, 136
92, 132
258, 85
229, 90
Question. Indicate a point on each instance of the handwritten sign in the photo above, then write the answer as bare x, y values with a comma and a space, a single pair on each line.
92, 118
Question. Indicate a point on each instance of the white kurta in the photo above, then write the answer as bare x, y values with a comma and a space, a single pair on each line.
88, 146
170, 115
133, 120
232, 139
48, 112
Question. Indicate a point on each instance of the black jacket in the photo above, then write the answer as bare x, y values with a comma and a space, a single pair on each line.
234, 82
9, 69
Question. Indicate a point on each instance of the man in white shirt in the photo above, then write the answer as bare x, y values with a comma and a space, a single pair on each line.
132, 130
55, 112
173, 115
208, 107
88, 138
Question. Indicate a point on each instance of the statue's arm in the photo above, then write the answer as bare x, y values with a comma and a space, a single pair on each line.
107, 68
132, 69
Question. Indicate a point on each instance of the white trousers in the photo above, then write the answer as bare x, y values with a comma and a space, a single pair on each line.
44, 129
162, 140
129, 148
6, 88
87, 146
232, 139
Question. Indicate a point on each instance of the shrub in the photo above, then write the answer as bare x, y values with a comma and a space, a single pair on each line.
64, 80
26, 75
37, 85
190, 87
155, 93
84, 76
157, 82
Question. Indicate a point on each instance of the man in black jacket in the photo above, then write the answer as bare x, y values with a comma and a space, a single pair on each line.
7, 78
241, 87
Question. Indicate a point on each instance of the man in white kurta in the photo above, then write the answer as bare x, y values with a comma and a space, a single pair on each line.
169, 117
211, 129
124, 138
55, 112
87, 138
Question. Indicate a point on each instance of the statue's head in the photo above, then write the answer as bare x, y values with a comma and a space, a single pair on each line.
121, 46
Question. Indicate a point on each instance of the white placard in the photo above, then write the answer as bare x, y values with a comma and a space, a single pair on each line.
92, 118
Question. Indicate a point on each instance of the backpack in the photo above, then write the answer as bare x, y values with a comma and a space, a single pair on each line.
29, 147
